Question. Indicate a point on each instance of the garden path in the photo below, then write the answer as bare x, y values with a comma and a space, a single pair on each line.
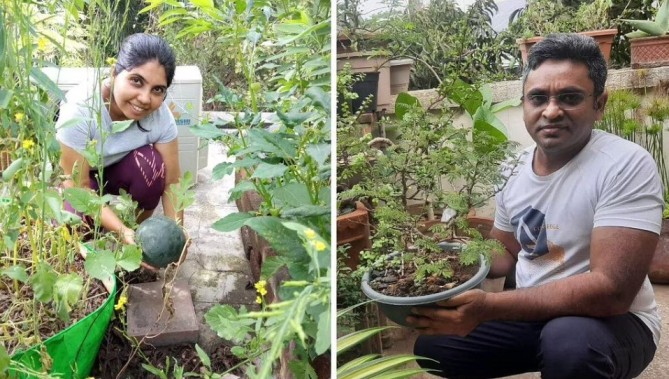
216, 268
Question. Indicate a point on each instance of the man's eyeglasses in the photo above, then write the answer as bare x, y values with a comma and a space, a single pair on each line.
566, 101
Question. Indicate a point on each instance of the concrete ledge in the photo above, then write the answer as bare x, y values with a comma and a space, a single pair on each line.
617, 79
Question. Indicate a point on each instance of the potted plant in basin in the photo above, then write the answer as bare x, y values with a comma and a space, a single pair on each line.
649, 44
432, 164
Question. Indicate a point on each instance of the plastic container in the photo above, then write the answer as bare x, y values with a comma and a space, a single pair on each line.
73, 350
398, 308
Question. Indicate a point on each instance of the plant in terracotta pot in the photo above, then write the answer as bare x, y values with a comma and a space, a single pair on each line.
649, 42
543, 17
433, 163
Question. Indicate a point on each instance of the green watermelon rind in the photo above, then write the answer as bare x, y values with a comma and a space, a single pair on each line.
161, 239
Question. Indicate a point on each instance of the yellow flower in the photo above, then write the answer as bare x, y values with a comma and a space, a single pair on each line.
28, 144
19, 116
122, 301
41, 43
111, 61
319, 245
261, 287
310, 233
258, 300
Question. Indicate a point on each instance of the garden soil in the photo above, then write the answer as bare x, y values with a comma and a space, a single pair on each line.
400, 282
120, 358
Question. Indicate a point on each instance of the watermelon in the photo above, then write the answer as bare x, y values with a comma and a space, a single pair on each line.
161, 240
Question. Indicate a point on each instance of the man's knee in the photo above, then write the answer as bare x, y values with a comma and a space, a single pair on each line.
574, 347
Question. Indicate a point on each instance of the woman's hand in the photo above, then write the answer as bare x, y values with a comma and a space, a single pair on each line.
128, 238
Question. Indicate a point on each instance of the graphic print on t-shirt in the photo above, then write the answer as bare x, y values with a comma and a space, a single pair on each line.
530, 227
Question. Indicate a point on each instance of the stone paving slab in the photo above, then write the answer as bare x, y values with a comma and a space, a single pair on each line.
148, 321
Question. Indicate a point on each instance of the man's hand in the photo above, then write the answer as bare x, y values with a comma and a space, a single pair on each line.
459, 316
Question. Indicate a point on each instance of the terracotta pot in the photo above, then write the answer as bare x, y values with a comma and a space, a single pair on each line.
659, 267
649, 51
603, 37
353, 229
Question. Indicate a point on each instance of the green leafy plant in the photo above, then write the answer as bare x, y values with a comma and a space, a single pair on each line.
646, 28
641, 123
371, 365
435, 166
282, 52
41, 272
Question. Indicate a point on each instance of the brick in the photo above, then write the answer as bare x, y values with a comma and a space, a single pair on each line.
145, 302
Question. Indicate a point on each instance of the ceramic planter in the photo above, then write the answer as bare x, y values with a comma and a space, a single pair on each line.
73, 351
649, 52
604, 39
398, 308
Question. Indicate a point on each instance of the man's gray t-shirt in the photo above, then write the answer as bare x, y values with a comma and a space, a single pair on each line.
611, 182
82, 104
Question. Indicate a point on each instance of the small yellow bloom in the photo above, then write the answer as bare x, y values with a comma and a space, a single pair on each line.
28, 144
261, 287
122, 301
309, 233
111, 61
42, 43
19, 116
258, 300
319, 245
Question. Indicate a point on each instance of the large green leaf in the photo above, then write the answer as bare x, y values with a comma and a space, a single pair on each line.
283, 240
306, 211
376, 367
42, 282
16, 272
348, 341
46, 84
66, 292
323, 335
404, 103
79, 198
269, 171
647, 26
506, 104
129, 258
292, 195
486, 121
100, 264
5, 97
207, 131
232, 222
319, 152
4, 359
279, 144
119, 126
272, 264
400, 374
13, 168
225, 321
662, 16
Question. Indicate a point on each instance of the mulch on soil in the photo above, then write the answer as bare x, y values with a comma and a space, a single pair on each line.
116, 358
396, 282
16, 306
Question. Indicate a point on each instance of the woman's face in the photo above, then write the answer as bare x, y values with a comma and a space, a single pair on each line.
138, 91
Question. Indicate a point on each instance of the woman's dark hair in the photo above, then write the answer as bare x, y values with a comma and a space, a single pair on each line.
140, 48
573, 47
